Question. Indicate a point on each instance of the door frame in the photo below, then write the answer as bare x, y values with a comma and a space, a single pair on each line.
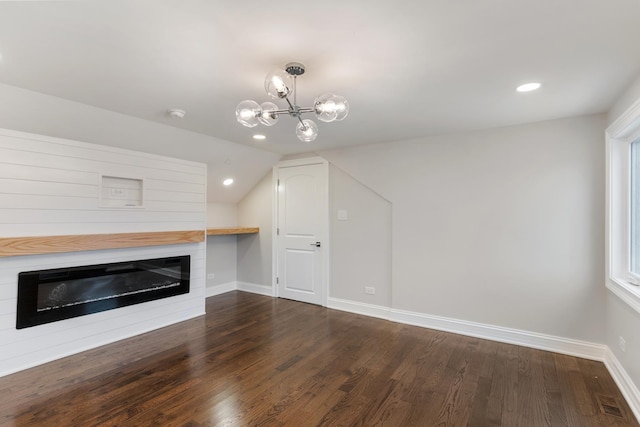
326, 243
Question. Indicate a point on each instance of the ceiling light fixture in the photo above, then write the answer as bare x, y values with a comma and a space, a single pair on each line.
281, 84
528, 87
227, 182
259, 137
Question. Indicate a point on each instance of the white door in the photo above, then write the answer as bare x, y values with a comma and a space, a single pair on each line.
301, 232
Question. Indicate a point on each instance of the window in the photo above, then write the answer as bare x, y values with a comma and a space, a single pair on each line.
623, 207
634, 210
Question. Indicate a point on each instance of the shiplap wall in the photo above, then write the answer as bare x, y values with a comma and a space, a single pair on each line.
51, 186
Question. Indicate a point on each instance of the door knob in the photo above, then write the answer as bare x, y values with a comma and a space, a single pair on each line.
316, 244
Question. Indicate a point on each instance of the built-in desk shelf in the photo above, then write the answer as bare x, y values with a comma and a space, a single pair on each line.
232, 230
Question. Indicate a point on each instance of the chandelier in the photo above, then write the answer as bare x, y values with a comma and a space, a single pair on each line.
281, 84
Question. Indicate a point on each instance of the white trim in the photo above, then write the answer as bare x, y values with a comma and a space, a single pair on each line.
617, 232
553, 343
630, 294
617, 199
624, 382
274, 230
622, 126
256, 289
314, 160
220, 289
240, 286
326, 240
371, 310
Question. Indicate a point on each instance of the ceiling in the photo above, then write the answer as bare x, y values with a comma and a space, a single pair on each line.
409, 68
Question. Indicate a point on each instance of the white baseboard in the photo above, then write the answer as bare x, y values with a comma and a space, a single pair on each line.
220, 289
359, 308
583, 349
624, 382
568, 346
239, 286
255, 288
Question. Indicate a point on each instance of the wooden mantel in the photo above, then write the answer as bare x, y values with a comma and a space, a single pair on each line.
16, 246
232, 230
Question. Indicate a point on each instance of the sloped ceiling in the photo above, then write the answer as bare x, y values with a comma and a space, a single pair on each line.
34, 112
409, 68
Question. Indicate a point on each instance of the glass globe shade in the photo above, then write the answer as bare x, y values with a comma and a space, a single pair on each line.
268, 117
278, 84
247, 113
307, 131
342, 107
325, 107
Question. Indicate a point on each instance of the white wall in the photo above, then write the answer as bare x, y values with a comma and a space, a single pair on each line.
624, 321
221, 250
255, 253
361, 244
221, 263
49, 187
222, 215
501, 227
625, 100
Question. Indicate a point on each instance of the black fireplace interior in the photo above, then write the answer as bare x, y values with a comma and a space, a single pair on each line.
47, 296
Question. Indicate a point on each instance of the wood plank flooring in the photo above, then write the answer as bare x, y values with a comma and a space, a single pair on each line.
259, 361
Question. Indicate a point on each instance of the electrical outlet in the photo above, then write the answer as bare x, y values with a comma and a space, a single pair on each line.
211, 276
622, 344
369, 290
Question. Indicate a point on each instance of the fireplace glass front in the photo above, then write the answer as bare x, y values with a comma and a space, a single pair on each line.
47, 296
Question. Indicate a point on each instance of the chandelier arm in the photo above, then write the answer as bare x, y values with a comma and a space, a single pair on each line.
288, 110
291, 106
302, 123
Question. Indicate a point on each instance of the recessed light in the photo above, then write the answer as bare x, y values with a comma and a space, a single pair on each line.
227, 181
528, 87
259, 137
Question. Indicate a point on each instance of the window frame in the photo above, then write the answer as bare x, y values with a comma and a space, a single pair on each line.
619, 136
633, 141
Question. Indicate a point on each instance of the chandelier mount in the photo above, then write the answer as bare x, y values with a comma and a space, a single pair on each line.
281, 84
295, 68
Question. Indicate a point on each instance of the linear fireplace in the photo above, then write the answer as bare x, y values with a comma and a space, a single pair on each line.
47, 296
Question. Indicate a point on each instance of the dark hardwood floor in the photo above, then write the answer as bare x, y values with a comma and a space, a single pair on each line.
259, 361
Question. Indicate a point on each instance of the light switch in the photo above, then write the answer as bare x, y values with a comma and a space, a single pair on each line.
342, 214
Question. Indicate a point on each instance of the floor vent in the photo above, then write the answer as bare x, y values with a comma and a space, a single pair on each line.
610, 406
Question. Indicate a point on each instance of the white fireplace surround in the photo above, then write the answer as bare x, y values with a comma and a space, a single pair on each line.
55, 188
